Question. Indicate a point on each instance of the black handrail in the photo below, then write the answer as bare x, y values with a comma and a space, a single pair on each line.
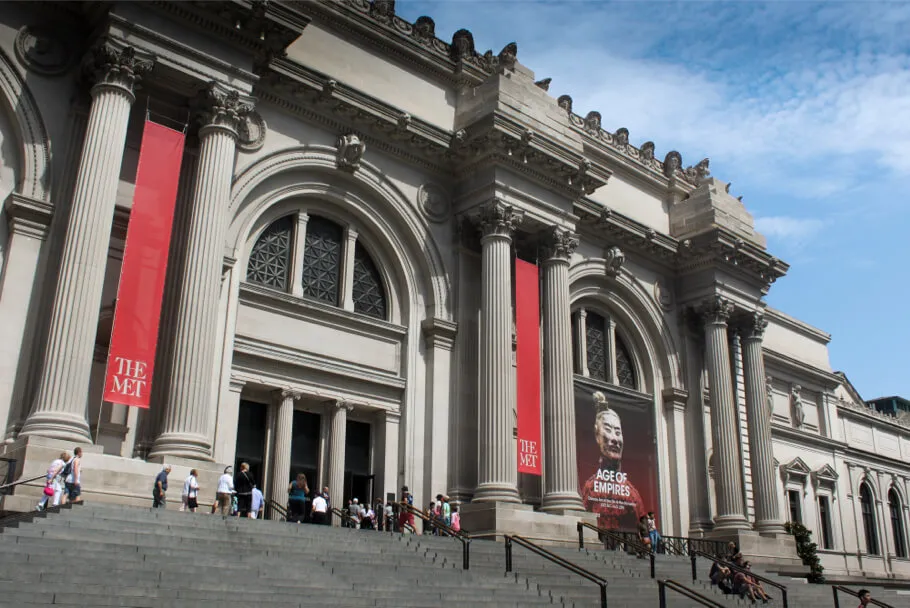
10, 473
274, 506
733, 567
601, 533
344, 516
662, 587
464, 538
20, 482
683, 545
836, 588
550, 556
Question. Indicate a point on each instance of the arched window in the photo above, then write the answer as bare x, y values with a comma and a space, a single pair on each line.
323, 251
897, 523
322, 260
606, 353
867, 506
368, 293
270, 258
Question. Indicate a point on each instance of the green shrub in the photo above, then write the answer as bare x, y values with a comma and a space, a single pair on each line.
807, 551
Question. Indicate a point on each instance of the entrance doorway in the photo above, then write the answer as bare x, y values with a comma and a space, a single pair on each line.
250, 446
305, 448
358, 474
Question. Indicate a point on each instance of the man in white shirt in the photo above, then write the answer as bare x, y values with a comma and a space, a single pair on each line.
319, 510
189, 498
257, 503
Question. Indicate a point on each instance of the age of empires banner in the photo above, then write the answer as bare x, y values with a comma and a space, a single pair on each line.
617, 461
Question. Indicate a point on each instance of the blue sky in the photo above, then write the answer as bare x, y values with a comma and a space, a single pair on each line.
804, 107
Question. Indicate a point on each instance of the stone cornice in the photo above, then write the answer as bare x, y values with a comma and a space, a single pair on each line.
870, 415
823, 378
497, 139
802, 438
613, 390
720, 246
413, 44
630, 234
28, 216
317, 97
265, 28
439, 333
675, 398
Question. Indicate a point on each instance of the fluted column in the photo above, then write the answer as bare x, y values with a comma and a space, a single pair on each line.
764, 485
60, 406
337, 438
188, 407
728, 481
497, 475
281, 459
559, 461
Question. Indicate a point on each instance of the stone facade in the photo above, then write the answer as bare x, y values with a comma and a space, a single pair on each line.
352, 195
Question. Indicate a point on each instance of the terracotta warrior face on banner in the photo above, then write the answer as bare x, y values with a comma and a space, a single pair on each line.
609, 491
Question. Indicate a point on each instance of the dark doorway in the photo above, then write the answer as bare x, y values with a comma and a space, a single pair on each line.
305, 448
250, 446
358, 477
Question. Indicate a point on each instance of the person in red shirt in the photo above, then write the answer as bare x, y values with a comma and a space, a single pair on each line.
609, 492
864, 598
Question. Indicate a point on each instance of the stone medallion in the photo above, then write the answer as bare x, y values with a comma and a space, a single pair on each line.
251, 132
434, 202
42, 50
663, 295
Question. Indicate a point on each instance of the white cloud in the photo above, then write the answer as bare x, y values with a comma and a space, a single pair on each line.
793, 231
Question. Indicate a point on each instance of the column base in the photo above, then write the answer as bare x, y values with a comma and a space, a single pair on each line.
496, 492
495, 519
730, 524
57, 425
561, 503
182, 445
773, 553
770, 527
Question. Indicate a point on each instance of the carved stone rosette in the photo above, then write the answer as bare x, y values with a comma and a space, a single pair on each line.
717, 310
109, 66
558, 244
350, 150
434, 202
43, 50
498, 219
222, 108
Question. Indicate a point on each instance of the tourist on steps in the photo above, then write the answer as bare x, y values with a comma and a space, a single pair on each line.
258, 503
54, 483
297, 499
653, 533
225, 491
189, 497
320, 510
243, 489
159, 490
865, 598
72, 476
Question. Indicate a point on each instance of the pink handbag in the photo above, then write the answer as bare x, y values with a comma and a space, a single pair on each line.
48, 491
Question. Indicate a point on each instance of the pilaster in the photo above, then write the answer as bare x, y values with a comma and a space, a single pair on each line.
338, 411
347, 268
675, 405
281, 453
439, 336
59, 410
497, 467
559, 450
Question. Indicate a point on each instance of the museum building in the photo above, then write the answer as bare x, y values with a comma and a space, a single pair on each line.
357, 199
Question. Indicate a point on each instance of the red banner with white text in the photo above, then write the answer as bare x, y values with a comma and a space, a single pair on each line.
134, 338
527, 366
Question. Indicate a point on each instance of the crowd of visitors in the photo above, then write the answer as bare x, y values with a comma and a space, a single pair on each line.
737, 580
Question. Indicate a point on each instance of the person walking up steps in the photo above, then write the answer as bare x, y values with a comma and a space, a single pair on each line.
190, 492
159, 490
54, 482
72, 475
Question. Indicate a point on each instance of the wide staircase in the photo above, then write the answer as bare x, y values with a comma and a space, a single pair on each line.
105, 555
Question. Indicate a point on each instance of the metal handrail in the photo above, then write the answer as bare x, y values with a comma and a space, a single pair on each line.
735, 568
272, 504
683, 545
344, 516
464, 538
662, 587
20, 482
836, 588
601, 533
10, 472
560, 561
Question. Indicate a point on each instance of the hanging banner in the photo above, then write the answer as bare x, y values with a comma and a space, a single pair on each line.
527, 366
134, 337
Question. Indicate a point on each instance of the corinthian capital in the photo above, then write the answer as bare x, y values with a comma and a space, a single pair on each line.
558, 244
341, 404
717, 309
109, 65
220, 107
497, 218
755, 325
288, 394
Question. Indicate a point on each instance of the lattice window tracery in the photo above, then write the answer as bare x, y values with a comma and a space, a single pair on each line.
322, 260
368, 292
270, 257
596, 338
625, 371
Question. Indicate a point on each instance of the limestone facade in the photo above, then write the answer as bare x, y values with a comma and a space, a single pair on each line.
352, 195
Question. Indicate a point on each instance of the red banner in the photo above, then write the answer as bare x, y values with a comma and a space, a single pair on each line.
527, 366
134, 338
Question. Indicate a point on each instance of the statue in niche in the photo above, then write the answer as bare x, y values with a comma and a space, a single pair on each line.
799, 411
